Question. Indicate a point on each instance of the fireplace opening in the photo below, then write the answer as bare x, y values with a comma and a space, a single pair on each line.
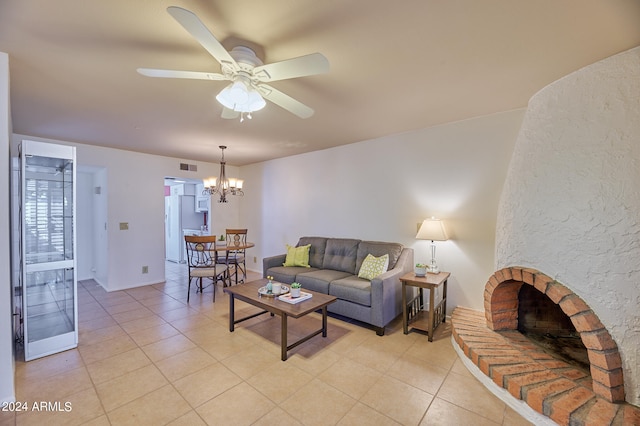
545, 324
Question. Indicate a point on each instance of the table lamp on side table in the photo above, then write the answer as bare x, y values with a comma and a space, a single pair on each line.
432, 229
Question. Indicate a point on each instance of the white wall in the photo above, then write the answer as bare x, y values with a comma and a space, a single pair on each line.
7, 392
132, 186
571, 205
100, 231
381, 189
84, 225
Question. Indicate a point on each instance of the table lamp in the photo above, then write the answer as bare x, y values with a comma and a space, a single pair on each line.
432, 229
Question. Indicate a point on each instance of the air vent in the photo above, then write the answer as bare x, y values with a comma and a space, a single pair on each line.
188, 167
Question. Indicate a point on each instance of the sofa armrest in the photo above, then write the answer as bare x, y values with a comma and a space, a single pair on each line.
388, 280
270, 262
386, 290
403, 265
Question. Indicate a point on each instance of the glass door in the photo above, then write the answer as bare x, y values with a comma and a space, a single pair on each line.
49, 287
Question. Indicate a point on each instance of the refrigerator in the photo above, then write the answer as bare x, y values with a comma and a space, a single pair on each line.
180, 213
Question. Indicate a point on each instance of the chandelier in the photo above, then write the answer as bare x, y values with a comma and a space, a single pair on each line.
222, 185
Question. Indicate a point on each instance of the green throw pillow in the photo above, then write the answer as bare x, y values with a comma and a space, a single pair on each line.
373, 266
297, 256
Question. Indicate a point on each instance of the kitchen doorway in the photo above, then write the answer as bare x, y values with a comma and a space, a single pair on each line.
186, 213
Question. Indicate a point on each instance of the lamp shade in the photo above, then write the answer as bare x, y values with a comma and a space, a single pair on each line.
238, 97
432, 229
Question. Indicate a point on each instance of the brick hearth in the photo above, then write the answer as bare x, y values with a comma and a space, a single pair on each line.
552, 387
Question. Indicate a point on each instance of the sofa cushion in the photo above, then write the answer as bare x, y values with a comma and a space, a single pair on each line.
352, 289
316, 251
297, 256
373, 266
377, 249
340, 255
319, 280
287, 274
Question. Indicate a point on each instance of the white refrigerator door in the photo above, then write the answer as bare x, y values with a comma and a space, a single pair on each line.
174, 228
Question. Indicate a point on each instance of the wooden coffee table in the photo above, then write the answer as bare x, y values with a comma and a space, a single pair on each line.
249, 293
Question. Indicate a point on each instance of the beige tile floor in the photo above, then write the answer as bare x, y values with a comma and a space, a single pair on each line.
146, 357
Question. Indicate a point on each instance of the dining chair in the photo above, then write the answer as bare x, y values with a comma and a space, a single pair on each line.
201, 258
236, 237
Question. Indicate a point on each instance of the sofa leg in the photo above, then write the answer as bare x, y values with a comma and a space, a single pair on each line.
380, 331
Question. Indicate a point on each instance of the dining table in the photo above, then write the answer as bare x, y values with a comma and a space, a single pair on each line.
230, 247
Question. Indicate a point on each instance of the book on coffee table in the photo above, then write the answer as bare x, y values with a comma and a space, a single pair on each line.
287, 297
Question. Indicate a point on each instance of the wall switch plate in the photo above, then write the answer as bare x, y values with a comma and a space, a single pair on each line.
145, 269
124, 226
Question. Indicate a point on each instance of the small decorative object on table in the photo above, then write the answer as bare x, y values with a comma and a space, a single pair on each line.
221, 241
295, 290
273, 288
420, 270
293, 300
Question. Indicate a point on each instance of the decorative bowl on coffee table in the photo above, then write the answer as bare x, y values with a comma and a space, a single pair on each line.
262, 291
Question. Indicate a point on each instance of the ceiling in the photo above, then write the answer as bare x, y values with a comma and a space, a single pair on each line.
395, 67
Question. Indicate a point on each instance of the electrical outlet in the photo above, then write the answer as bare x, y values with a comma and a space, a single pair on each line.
145, 269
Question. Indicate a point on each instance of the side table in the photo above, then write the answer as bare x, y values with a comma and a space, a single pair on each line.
412, 312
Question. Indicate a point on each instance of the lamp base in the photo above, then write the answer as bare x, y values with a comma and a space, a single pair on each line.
433, 269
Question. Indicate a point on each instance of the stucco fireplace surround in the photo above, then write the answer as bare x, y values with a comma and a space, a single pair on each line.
568, 225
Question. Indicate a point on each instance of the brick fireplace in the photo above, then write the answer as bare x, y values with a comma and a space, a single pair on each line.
548, 384
501, 311
567, 211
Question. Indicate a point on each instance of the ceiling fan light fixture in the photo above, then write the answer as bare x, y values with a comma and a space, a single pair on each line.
238, 97
255, 102
238, 93
234, 94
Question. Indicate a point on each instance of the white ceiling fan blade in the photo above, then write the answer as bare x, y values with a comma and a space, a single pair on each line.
229, 113
285, 101
302, 66
201, 33
152, 72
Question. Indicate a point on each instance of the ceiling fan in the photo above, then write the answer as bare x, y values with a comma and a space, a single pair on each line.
246, 72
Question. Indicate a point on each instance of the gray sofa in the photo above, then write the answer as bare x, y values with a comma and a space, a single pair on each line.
334, 265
